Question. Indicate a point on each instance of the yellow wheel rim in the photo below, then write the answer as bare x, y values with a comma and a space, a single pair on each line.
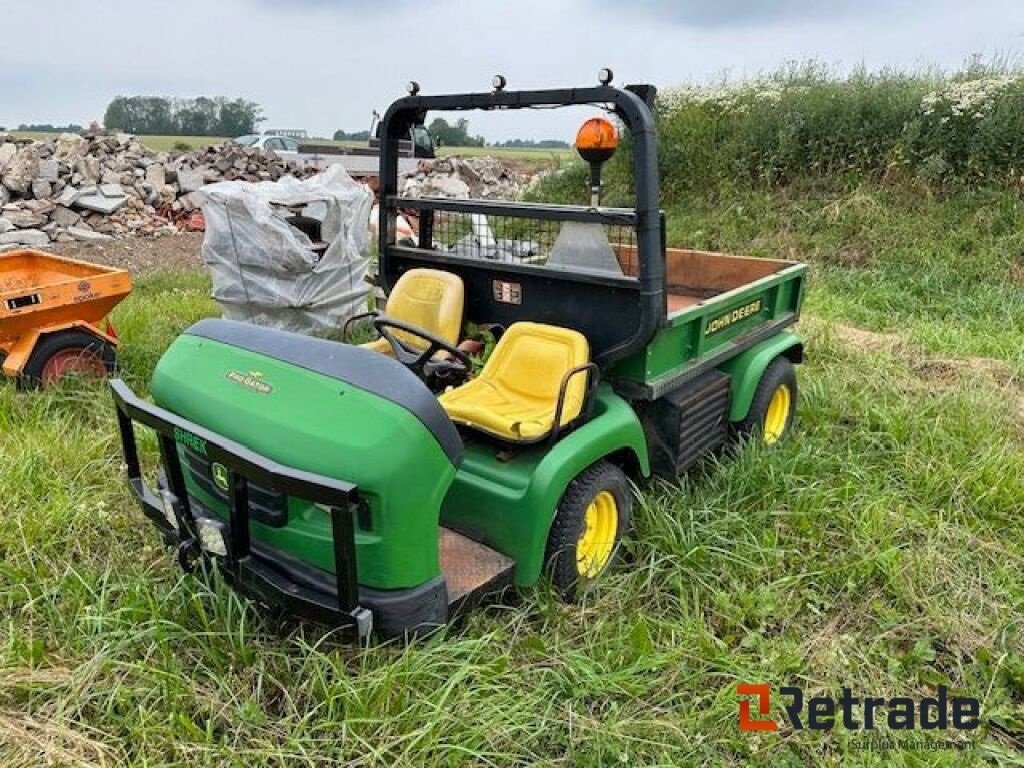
595, 545
776, 418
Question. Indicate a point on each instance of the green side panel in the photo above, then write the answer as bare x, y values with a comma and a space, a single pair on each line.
512, 502
316, 423
745, 370
717, 327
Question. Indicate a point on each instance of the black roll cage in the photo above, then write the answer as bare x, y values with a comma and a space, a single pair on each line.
632, 105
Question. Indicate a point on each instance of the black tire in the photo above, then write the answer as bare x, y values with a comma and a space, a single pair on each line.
780, 373
569, 525
54, 343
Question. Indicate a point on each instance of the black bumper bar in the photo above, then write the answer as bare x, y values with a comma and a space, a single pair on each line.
244, 568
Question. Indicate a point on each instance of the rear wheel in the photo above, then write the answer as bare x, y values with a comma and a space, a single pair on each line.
68, 353
591, 519
774, 404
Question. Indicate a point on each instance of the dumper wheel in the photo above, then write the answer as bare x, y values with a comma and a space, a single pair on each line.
68, 353
591, 519
774, 404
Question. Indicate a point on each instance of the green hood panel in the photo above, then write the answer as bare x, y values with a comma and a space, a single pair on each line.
318, 421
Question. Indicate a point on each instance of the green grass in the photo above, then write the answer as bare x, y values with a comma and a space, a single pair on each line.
539, 156
167, 143
548, 156
881, 548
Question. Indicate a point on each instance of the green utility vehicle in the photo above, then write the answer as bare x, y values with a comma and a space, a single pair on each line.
380, 487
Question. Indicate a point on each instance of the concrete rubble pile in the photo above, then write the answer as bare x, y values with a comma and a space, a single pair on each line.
486, 178
100, 185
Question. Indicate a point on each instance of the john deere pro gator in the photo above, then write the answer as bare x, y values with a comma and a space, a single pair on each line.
380, 487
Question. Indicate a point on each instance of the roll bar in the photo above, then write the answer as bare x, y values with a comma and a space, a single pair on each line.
632, 104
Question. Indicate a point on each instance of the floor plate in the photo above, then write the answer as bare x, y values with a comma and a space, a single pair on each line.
471, 568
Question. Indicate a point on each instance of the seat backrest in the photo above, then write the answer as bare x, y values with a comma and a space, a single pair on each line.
431, 299
532, 359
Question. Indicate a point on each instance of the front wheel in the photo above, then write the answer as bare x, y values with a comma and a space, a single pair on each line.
67, 353
590, 522
774, 404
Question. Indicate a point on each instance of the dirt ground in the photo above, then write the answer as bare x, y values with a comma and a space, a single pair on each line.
938, 372
140, 255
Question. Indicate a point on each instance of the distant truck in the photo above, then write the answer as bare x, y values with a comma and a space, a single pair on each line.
360, 162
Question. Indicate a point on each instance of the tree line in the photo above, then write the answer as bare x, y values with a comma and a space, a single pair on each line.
48, 128
457, 135
201, 116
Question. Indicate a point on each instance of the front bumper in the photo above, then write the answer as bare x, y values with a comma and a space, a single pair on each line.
197, 533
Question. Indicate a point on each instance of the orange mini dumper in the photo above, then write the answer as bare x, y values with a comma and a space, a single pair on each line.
50, 311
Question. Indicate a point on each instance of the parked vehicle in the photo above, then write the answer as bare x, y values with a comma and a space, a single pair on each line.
286, 146
360, 162
51, 309
382, 488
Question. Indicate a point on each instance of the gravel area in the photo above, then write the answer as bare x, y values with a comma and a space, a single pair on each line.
140, 255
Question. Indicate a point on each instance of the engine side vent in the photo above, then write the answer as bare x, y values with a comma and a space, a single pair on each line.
687, 423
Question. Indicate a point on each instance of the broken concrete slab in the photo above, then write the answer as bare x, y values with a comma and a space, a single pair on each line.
42, 207
25, 219
190, 181
7, 152
41, 189
6, 225
156, 176
21, 170
87, 235
68, 196
70, 145
89, 168
112, 190
49, 170
31, 237
100, 203
65, 217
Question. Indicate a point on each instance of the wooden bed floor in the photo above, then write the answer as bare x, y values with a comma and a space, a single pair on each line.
678, 301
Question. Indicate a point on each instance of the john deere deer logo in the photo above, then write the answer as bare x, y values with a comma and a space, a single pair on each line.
219, 473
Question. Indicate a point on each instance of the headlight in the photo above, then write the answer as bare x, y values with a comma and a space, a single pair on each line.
211, 536
170, 512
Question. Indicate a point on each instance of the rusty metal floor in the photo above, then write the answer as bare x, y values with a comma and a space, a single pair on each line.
471, 569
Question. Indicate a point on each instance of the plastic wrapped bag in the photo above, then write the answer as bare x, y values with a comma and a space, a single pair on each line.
267, 271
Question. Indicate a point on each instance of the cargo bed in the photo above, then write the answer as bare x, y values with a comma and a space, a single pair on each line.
717, 305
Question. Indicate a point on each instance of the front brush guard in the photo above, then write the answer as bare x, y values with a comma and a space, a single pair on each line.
242, 568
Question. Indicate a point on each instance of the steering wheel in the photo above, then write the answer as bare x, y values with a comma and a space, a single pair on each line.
420, 362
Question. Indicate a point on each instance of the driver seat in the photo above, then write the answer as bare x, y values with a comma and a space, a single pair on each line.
533, 369
431, 299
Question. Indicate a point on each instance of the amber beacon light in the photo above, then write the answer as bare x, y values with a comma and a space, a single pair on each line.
596, 141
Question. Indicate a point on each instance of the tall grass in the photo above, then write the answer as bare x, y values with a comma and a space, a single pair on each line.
803, 121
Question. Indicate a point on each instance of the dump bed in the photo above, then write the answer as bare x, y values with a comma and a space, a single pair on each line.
39, 289
718, 305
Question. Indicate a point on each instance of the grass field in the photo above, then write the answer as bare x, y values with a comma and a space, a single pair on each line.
539, 156
882, 548
167, 143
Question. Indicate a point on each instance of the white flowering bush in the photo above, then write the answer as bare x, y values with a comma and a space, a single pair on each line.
967, 98
971, 129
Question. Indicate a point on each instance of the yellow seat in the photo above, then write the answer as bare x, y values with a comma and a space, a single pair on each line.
430, 299
516, 394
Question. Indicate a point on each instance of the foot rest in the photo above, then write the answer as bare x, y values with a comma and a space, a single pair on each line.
471, 569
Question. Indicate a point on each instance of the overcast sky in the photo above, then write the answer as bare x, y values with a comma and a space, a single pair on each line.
325, 64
